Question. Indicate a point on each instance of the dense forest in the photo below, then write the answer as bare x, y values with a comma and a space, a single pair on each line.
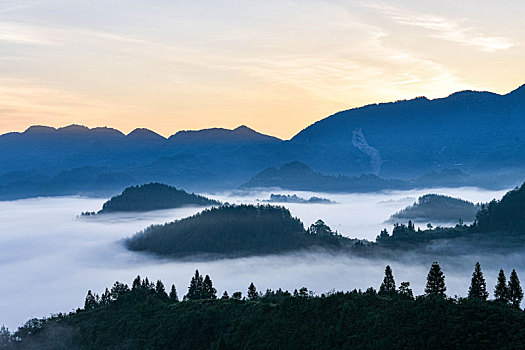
440, 208
152, 196
147, 316
507, 214
286, 198
235, 230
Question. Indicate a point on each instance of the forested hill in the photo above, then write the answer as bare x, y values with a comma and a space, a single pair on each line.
235, 230
507, 214
499, 226
153, 196
298, 176
440, 208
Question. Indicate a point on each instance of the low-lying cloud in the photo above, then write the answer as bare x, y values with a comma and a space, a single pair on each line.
49, 257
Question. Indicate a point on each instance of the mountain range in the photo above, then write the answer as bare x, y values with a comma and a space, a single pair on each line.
467, 133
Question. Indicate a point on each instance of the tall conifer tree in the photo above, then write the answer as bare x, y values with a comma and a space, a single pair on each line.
435, 281
515, 291
501, 292
389, 285
478, 286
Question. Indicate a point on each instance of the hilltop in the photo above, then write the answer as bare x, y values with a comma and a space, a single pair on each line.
153, 196
440, 208
235, 230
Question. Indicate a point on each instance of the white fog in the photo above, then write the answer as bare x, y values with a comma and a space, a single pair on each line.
49, 257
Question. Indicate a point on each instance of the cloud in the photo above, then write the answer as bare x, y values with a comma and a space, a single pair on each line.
444, 28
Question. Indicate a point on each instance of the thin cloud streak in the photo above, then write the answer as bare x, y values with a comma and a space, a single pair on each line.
444, 28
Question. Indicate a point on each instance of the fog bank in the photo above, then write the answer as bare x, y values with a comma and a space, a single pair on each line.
49, 258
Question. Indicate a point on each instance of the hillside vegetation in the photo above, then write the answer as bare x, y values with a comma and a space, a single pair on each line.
436, 207
235, 230
153, 196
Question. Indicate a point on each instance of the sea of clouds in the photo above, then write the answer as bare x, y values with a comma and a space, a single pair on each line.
50, 257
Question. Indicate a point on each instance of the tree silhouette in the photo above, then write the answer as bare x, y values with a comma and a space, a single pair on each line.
501, 291
196, 287
404, 289
389, 285
209, 291
478, 286
137, 283
252, 292
173, 294
515, 291
90, 302
225, 295
160, 290
435, 281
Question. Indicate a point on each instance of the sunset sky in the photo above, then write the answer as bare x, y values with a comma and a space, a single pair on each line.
276, 66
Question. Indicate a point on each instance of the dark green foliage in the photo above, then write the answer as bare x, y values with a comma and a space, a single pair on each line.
435, 281
90, 302
478, 286
237, 295
173, 294
196, 287
514, 290
404, 289
209, 291
153, 196
506, 214
233, 230
501, 291
277, 320
252, 292
161, 290
389, 285
319, 228
225, 295
436, 207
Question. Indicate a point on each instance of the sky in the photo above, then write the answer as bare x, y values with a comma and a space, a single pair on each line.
275, 66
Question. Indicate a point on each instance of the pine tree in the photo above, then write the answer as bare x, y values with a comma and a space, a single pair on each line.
137, 284
118, 289
160, 290
196, 287
501, 292
478, 286
435, 281
106, 297
252, 292
389, 285
90, 302
173, 294
404, 289
209, 291
225, 295
515, 291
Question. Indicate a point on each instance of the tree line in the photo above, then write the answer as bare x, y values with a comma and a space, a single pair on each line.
201, 288
147, 315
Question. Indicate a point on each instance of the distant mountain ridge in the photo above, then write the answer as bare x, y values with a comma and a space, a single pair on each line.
467, 138
467, 129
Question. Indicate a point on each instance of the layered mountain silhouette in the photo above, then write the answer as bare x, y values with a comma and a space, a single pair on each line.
468, 138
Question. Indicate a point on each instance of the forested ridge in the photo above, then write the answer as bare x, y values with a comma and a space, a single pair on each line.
441, 208
236, 230
152, 196
146, 316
